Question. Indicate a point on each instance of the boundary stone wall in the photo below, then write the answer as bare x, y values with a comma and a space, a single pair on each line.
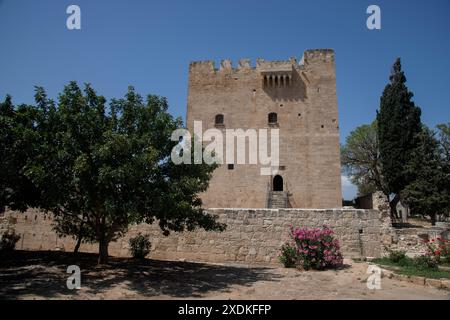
253, 236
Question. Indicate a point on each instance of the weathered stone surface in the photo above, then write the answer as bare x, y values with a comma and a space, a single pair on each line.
445, 284
434, 283
417, 280
257, 242
303, 95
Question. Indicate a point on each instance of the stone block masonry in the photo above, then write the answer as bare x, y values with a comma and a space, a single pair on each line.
297, 98
253, 236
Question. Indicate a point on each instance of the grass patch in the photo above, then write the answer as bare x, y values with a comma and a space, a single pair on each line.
427, 273
385, 261
407, 266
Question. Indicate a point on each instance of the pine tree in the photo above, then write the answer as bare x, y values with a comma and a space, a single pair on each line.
444, 151
427, 193
398, 125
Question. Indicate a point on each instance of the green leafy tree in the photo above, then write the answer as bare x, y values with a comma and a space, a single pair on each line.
444, 141
360, 159
75, 226
7, 166
444, 151
398, 124
16, 126
428, 193
108, 169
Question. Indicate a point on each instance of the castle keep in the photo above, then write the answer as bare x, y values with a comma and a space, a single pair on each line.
299, 99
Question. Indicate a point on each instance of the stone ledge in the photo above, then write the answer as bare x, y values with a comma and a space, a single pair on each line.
252, 235
436, 283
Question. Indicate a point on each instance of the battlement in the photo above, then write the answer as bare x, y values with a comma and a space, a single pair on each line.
323, 55
295, 97
208, 66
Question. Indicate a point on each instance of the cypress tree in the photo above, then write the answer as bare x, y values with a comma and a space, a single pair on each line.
398, 125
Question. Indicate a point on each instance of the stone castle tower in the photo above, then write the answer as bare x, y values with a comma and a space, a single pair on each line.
297, 98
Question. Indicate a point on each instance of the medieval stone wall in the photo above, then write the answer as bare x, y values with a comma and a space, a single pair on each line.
303, 95
252, 235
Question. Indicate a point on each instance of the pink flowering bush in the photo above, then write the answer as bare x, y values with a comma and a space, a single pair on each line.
438, 249
311, 249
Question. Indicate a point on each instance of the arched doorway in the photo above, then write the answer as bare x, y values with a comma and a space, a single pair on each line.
277, 183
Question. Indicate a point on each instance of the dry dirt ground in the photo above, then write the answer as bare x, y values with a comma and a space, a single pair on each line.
42, 275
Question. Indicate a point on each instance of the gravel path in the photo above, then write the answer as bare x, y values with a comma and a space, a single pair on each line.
42, 275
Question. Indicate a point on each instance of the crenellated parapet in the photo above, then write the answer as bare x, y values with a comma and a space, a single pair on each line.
317, 55
277, 67
207, 66
296, 97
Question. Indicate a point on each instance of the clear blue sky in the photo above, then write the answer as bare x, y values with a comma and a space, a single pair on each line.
149, 44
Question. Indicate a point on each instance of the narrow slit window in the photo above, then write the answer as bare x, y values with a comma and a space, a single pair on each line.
219, 120
273, 118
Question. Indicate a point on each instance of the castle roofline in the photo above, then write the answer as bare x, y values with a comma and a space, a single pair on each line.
261, 64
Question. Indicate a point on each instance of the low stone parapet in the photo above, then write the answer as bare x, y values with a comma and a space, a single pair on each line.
252, 236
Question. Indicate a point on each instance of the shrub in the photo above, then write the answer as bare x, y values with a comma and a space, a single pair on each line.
288, 257
8, 240
312, 249
439, 250
425, 262
140, 246
397, 256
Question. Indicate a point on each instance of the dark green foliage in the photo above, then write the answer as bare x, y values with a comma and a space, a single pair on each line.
397, 256
428, 192
399, 157
400, 259
140, 246
16, 128
398, 124
288, 257
8, 240
421, 266
444, 141
100, 169
444, 152
425, 262
75, 226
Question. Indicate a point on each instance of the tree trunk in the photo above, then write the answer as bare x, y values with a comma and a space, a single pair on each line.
77, 246
393, 204
79, 238
433, 219
103, 251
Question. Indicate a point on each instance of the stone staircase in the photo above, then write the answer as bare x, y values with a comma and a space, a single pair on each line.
277, 199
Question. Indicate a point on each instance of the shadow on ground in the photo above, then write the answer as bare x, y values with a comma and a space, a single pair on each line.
43, 274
